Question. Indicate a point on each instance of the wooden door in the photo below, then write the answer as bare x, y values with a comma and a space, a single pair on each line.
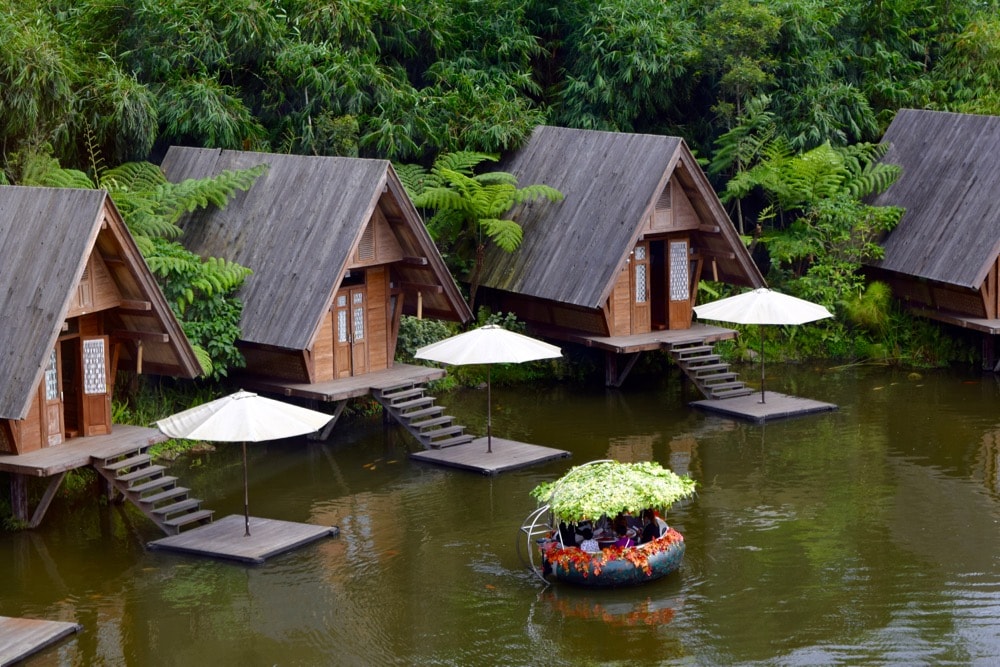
640, 288
359, 331
679, 273
96, 402
350, 332
53, 396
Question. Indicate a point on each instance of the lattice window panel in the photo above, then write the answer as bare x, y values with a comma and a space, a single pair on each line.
51, 378
641, 294
94, 381
680, 286
359, 316
341, 326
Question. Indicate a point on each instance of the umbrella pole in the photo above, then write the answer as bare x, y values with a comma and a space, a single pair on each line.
761, 363
246, 492
489, 411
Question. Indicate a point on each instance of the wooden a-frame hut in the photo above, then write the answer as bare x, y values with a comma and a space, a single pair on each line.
338, 254
616, 264
77, 304
943, 258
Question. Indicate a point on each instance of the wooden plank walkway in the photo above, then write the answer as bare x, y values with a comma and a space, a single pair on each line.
506, 455
79, 452
22, 637
654, 340
226, 538
345, 388
776, 406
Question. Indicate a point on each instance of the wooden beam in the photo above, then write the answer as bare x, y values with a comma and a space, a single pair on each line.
149, 336
718, 254
710, 229
43, 504
135, 306
415, 261
421, 287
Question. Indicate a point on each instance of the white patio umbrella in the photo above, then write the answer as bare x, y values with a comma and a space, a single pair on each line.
242, 417
491, 344
762, 306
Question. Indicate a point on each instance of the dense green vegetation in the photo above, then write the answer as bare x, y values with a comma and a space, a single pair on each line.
766, 93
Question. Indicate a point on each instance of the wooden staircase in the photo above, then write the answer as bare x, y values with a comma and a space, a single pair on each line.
135, 476
411, 406
707, 370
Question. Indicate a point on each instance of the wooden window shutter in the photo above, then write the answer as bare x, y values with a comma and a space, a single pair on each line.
663, 203
662, 216
366, 248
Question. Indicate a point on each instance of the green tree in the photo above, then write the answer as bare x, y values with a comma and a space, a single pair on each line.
469, 208
819, 229
201, 292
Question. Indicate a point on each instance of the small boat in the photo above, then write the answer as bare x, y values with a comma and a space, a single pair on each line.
592, 492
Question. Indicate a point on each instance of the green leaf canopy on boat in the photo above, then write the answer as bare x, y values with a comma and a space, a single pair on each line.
609, 487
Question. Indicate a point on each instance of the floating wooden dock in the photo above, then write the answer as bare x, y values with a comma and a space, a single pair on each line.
775, 406
506, 455
226, 538
22, 637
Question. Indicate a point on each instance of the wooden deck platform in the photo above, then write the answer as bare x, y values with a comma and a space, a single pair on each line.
226, 538
654, 340
506, 455
345, 388
22, 637
80, 452
776, 406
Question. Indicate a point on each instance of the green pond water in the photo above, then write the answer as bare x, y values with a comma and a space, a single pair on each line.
868, 535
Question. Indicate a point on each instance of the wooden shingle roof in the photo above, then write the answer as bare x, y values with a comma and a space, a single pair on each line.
296, 228
573, 250
47, 236
950, 231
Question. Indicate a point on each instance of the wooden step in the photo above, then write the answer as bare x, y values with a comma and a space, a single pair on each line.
723, 386
406, 393
413, 403
157, 483
451, 442
686, 352
180, 506
714, 380
733, 393
191, 517
703, 369
427, 423
138, 459
441, 432
141, 473
168, 494
416, 414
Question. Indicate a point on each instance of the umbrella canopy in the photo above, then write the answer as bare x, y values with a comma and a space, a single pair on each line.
243, 417
599, 488
491, 344
762, 306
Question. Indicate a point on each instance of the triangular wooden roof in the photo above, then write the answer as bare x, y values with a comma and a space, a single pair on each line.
47, 236
573, 250
950, 231
297, 228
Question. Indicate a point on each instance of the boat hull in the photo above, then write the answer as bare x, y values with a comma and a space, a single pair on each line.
614, 566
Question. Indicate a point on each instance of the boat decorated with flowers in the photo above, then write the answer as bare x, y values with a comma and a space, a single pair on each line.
590, 494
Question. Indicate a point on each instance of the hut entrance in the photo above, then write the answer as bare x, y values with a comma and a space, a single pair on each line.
350, 323
670, 284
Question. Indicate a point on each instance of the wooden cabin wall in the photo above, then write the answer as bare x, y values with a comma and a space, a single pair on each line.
621, 305
96, 291
281, 364
377, 283
322, 354
990, 291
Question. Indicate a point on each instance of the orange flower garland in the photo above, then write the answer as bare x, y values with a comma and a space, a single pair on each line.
584, 562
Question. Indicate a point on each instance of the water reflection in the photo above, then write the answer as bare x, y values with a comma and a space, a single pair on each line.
863, 536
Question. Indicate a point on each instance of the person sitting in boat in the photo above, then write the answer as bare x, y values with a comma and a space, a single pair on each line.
589, 544
651, 529
567, 534
621, 529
